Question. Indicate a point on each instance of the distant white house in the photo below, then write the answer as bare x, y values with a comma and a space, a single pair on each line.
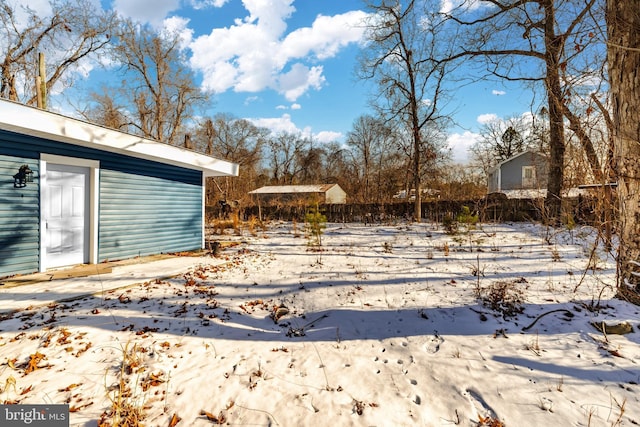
525, 171
426, 193
330, 194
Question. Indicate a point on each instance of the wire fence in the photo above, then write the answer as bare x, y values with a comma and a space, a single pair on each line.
580, 210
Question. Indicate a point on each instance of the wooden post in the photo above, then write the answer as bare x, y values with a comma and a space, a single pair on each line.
42, 82
38, 92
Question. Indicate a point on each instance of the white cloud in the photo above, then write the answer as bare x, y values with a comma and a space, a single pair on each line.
447, 6
460, 144
327, 136
256, 54
284, 124
203, 4
41, 7
585, 80
326, 36
498, 92
269, 16
486, 118
300, 79
179, 25
152, 11
282, 107
277, 124
296, 106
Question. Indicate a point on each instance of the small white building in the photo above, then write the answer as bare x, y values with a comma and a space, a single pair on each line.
329, 194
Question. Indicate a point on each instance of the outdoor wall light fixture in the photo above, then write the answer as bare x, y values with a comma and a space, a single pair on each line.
23, 176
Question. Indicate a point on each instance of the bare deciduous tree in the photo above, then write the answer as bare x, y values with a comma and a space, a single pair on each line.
623, 56
104, 110
311, 161
235, 140
534, 41
401, 59
340, 168
160, 90
368, 140
73, 32
284, 151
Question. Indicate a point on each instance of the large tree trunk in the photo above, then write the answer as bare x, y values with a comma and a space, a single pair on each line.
553, 50
553, 202
623, 55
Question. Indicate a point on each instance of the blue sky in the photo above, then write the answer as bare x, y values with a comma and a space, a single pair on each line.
290, 64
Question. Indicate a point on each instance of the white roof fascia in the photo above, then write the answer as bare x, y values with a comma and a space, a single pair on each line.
45, 124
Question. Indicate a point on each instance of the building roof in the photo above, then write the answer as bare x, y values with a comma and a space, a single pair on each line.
294, 189
32, 121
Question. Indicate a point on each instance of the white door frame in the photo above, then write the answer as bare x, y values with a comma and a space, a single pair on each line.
93, 186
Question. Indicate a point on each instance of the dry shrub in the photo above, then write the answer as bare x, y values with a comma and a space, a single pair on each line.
251, 225
235, 220
221, 225
505, 297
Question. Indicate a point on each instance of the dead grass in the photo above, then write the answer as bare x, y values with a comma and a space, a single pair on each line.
235, 226
127, 407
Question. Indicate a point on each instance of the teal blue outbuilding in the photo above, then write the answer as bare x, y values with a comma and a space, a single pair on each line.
94, 194
19, 219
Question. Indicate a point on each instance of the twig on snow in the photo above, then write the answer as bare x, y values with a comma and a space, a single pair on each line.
299, 332
567, 312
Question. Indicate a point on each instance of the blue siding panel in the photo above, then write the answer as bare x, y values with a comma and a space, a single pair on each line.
142, 215
19, 219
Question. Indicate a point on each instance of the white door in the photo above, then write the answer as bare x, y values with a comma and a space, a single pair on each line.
65, 209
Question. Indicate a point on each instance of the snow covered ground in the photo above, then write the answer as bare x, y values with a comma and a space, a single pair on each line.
389, 325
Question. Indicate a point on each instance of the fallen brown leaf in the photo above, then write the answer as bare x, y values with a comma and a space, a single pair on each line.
220, 419
83, 349
69, 387
79, 407
34, 359
174, 420
153, 380
64, 339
